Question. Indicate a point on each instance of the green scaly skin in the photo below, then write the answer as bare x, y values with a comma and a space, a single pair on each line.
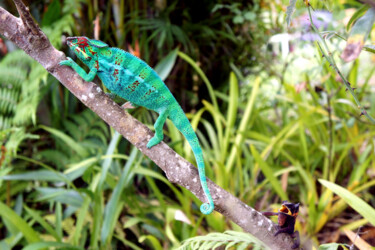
132, 79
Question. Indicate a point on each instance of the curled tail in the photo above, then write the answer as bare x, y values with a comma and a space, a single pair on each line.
179, 119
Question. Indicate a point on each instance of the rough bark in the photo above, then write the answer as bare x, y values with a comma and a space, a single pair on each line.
26, 34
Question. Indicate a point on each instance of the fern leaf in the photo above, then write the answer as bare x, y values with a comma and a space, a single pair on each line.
290, 10
229, 239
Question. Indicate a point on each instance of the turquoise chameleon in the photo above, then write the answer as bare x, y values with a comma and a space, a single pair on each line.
131, 78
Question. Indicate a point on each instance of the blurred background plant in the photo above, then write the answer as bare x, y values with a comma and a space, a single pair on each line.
273, 116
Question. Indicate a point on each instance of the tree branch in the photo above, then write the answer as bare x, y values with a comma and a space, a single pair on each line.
27, 35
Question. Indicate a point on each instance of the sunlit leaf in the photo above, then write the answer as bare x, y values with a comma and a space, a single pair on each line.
29, 233
164, 67
51, 245
358, 36
330, 246
290, 10
357, 15
354, 201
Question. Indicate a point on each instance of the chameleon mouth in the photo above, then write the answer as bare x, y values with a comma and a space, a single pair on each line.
285, 209
69, 40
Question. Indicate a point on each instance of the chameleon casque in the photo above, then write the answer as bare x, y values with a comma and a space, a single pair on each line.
131, 78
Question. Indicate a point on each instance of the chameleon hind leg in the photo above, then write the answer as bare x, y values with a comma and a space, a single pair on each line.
158, 137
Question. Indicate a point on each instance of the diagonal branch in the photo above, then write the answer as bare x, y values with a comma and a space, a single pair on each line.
26, 34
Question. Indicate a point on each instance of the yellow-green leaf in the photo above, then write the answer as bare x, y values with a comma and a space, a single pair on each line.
354, 201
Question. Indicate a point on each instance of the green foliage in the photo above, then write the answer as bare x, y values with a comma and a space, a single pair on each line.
356, 15
290, 10
359, 33
228, 239
332, 246
271, 129
355, 202
19, 92
17, 222
241, 16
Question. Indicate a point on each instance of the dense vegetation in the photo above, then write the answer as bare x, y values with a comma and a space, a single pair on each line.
276, 115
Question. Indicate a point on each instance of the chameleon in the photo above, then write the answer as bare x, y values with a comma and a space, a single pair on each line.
287, 215
130, 78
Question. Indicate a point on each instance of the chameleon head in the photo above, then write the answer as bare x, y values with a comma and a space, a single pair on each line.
86, 49
289, 208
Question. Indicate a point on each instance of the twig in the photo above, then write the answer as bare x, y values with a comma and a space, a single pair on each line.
328, 56
369, 2
26, 34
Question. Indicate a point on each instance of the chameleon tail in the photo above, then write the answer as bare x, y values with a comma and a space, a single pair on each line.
179, 119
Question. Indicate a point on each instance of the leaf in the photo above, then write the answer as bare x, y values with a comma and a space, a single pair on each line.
153, 240
70, 142
356, 15
267, 171
164, 67
238, 19
83, 210
110, 212
29, 233
202, 75
330, 246
250, 16
108, 161
51, 245
290, 10
358, 34
354, 201
228, 238
250, 106
369, 48
132, 221
64, 196
52, 14
39, 175
231, 112
42, 222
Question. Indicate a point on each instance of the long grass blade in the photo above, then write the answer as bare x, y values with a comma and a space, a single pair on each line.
269, 173
29, 233
114, 201
354, 201
238, 141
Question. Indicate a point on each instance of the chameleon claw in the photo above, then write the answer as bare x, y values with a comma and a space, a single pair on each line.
128, 105
154, 140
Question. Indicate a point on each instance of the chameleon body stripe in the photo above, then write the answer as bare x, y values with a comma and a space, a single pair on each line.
132, 79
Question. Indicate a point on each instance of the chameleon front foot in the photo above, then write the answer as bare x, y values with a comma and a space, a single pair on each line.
69, 62
154, 140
